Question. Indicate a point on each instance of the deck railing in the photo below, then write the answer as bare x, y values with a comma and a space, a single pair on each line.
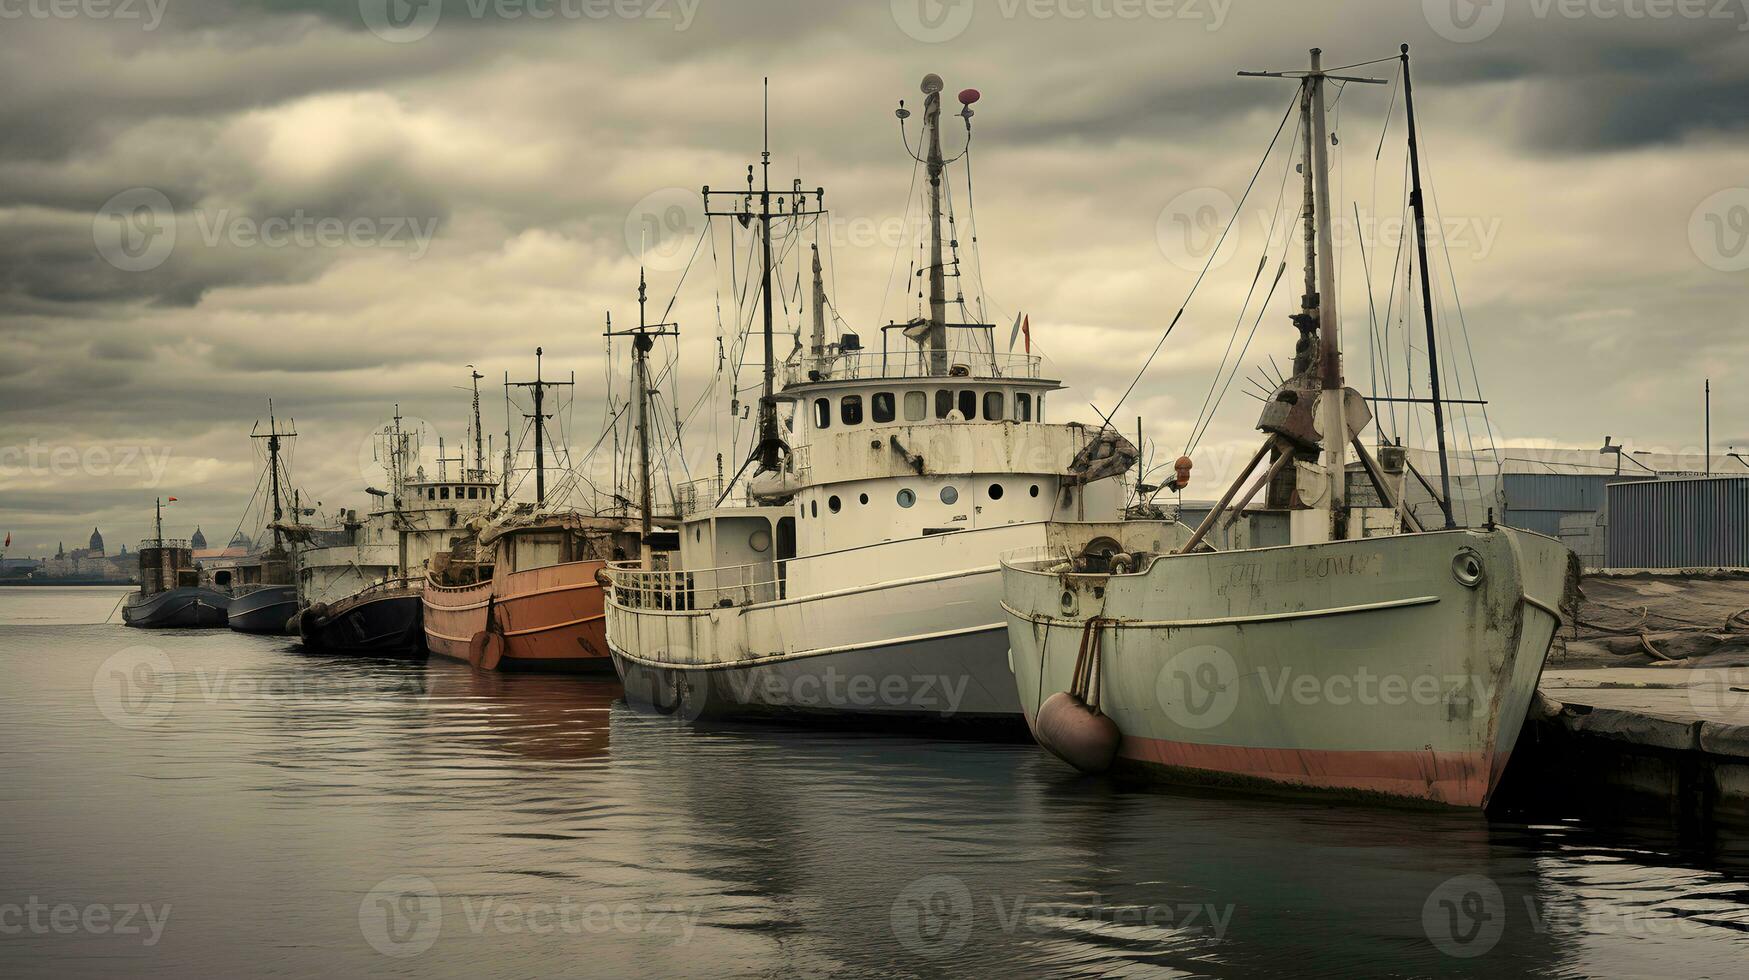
909, 364
683, 590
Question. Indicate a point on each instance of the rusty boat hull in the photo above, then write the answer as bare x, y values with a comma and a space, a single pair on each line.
1396, 668
545, 620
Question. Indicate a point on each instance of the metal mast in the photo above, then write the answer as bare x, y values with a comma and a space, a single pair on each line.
818, 346
643, 338
273, 435
540, 416
932, 86
770, 446
479, 454
1415, 202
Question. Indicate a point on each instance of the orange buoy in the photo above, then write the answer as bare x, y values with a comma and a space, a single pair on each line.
1182, 477
486, 649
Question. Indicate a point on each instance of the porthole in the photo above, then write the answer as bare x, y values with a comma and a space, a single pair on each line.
863, 499
833, 504
1034, 490
814, 508
1466, 567
949, 495
995, 491
759, 541
906, 498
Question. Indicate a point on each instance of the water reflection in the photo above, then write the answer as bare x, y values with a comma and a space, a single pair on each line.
432, 820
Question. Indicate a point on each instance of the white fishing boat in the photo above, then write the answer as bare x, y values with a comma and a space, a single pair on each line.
1332, 644
854, 575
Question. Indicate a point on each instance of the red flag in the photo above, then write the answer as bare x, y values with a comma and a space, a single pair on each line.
1026, 331
170, 499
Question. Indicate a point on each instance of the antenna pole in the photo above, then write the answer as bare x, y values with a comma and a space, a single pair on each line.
1709, 427
479, 456
937, 273
1416, 202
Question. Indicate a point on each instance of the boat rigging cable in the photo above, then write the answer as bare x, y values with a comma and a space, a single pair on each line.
1237, 208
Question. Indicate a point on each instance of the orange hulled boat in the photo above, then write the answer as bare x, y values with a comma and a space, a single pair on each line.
527, 597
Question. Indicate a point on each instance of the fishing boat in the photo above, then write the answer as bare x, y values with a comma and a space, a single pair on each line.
171, 594
262, 585
1333, 644
363, 596
524, 594
853, 576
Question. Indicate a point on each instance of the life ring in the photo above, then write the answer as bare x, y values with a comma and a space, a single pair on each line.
486, 649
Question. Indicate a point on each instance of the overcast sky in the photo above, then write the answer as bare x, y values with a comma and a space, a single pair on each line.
458, 184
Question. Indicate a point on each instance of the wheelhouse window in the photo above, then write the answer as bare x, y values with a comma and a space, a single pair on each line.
880, 405
968, 405
943, 403
916, 406
851, 409
993, 406
822, 413
431, 494
473, 493
443, 493
1022, 407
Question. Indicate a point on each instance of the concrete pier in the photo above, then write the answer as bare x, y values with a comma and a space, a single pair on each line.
1661, 738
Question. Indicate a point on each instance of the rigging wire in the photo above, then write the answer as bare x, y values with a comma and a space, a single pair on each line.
1237, 208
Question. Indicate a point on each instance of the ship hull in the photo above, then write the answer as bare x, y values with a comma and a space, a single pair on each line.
188, 607
1367, 668
268, 609
380, 623
926, 651
545, 620
960, 680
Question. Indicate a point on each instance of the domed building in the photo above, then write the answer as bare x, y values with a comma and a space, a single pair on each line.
96, 549
198, 540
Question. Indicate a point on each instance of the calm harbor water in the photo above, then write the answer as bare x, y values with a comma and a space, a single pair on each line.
203, 803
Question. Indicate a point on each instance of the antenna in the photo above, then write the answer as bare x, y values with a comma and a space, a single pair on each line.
934, 336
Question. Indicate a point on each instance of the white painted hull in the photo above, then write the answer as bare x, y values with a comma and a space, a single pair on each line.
1362, 667
926, 647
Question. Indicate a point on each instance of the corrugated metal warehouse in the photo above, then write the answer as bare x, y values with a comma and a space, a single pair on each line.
1693, 522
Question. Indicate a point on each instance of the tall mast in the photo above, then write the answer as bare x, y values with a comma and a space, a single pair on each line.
768, 441
1416, 203
932, 86
643, 338
1333, 416
539, 385
479, 453
818, 350
770, 446
273, 435
158, 520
